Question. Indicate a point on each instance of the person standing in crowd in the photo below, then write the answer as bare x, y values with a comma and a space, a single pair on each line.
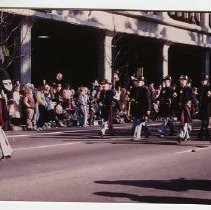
29, 104
16, 116
49, 97
6, 102
82, 102
116, 80
204, 97
42, 107
59, 79
70, 91
185, 99
166, 109
106, 98
141, 108
153, 92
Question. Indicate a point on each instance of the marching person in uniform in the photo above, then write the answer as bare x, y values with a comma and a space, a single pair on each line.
141, 108
185, 99
132, 103
6, 105
204, 97
166, 109
106, 98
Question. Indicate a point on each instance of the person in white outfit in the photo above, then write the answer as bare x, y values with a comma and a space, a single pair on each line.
6, 102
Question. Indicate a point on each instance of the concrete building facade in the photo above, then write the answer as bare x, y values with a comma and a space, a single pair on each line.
96, 43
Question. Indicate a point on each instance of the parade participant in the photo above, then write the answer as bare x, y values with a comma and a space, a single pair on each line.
106, 98
204, 97
132, 103
6, 102
141, 108
185, 99
165, 108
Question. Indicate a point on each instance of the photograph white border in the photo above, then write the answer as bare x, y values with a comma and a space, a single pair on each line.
157, 5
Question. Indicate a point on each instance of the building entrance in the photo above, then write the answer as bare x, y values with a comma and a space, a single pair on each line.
133, 52
186, 60
62, 47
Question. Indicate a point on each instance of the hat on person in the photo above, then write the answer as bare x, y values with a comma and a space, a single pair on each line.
167, 78
141, 78
183, 77
105, 81
4, 75
204, 76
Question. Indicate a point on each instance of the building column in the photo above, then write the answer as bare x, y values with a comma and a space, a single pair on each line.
165, 60
25, 50
207, 62
105, 57
108, 58
204, 23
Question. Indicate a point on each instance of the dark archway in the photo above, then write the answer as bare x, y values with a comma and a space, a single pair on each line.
133, 52
186, 60
69, 49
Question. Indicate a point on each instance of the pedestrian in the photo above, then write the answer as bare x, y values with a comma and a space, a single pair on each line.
141, 108
16, 115
185, 122
132, 103
106, 98
6, 102
29, 104
165, 107
82, 103
184, 100
42, 107
204, 97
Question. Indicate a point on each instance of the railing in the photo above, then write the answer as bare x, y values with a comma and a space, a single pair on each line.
152, 12
187, 17
190, 19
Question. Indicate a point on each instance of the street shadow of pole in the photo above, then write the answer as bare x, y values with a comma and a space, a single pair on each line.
177, 185
155, 199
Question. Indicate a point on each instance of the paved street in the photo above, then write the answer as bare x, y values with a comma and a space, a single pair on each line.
75, 165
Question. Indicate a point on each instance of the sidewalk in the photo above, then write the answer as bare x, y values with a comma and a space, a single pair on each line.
50, 130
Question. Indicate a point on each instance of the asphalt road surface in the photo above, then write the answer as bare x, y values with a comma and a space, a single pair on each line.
76, 165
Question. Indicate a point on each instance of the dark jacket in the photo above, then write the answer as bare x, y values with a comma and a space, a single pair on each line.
165, 98
184, 94
204, 102
141, 101
107, 100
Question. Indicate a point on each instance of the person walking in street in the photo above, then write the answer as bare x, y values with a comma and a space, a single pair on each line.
185, 99
6, 103
141, 108
165, 108
106, 98
204, 97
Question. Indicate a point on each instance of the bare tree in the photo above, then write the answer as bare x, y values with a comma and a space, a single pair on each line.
124, 56
10, 41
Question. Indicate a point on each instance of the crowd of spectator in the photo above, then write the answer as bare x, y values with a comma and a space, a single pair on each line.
59, 105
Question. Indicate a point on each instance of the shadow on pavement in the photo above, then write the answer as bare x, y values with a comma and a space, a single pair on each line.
178, 185
156, 199
121, 137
